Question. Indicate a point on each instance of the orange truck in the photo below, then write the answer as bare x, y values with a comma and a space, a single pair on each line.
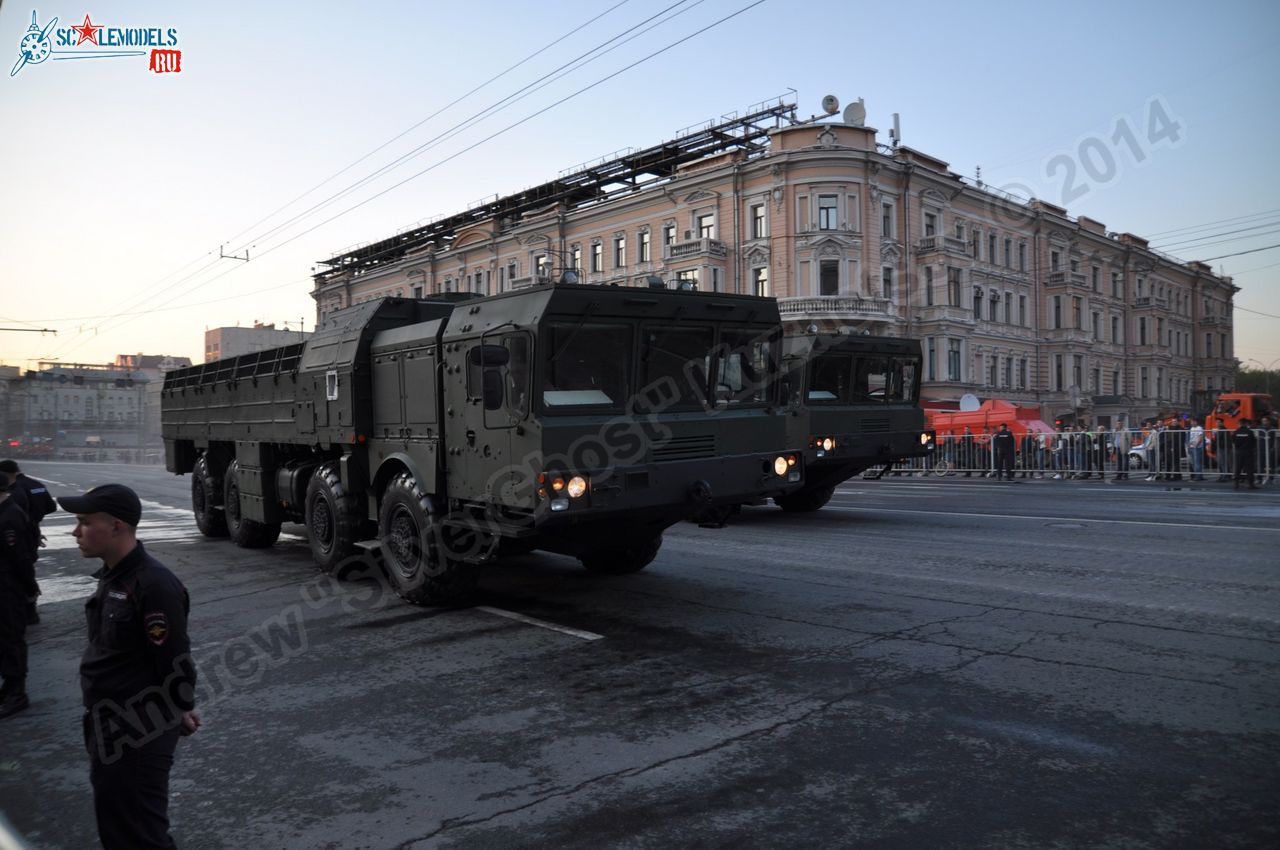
1230, 409
987, 419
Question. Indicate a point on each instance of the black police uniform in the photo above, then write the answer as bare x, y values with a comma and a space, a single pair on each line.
1003, 443
36, 500
1243, 442
137, 678
15, 579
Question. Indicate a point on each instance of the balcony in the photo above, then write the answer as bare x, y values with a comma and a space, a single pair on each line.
847, 307
945, 244
1213, 321
1151, 301
696, 248
1076, 279
944, 313
1079, 336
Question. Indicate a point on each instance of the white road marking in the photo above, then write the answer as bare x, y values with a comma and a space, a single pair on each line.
1055, 519
542, 624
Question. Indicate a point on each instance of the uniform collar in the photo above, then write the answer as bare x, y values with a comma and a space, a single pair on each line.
128, 564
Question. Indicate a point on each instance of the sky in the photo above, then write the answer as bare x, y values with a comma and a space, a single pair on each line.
121, 188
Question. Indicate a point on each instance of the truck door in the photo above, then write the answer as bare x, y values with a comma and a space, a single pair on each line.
498, 393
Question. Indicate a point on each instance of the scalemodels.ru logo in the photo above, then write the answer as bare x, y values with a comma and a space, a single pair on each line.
89, 40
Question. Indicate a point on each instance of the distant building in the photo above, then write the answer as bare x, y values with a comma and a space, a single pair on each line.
152, 367
232, 342
1010, 298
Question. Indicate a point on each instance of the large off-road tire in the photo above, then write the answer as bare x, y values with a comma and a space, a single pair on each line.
805, 499
244, 532
620, 560
333, 518
206, 500
416, 548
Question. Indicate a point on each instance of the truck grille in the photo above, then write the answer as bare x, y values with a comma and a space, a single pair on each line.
875, 424
686, 448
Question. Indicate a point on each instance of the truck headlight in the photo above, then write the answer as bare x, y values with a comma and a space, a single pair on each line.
828, 444
576, 487
779, 465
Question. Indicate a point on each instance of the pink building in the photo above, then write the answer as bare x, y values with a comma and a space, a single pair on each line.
1010, 299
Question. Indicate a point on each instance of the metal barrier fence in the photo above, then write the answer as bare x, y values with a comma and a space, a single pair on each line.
1158, 454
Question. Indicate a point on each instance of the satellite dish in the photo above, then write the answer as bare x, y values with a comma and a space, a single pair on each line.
856, 114
830, 104
969, 402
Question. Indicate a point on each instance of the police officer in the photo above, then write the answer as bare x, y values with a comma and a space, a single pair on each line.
38, 503
1004, 444
1243, 443
136, 675
16, 575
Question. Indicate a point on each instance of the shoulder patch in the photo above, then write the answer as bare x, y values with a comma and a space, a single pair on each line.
156, 625
117, 594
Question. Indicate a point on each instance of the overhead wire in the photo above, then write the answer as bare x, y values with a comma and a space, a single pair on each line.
466, 149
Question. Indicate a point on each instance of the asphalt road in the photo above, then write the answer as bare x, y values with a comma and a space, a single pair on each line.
925, 663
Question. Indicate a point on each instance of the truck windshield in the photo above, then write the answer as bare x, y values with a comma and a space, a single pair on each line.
677, 361
746, 367
586, 367
863, 379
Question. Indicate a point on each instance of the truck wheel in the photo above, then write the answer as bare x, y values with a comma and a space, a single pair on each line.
332, 518
805, 499
415, 548
244, 532
619, 560
206, 500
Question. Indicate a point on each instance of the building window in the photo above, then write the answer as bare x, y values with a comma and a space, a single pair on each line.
886, 279
994, 313
1115, 382
1055, 261
1208, 345
977, 303
930, 356
1096, 273
1077, 312
1008, 308
977, 242
930, 224
1057, 312
1022, 373
540, 268
1022, 256
1077, 370
1223, 350
575, 257
953, 359
960, 230
1115, 329
642, 250
1143, 377
511, 271
1022, 310
953, 286
829, 277
1161, 340
758, 230
828, 212
1142, 330
928, 286
620, 252
993, 364
688, 276
1115, 284
991, 248
1008, 253
1095, 378
886, 221
1097, 326
1008, 372
707, 226
760, 281
597, 257
1058, 383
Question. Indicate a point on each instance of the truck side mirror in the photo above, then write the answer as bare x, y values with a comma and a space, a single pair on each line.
492, 387
489, 355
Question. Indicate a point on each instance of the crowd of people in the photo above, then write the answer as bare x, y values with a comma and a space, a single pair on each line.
1158, 449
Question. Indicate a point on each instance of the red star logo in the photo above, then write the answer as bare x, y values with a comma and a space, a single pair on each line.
88, 31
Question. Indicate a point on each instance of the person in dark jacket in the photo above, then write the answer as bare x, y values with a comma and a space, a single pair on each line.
136, 675
1004, 444
16, 575
36, 500
1243, 445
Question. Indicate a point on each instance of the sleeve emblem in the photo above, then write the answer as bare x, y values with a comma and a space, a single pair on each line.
156, 626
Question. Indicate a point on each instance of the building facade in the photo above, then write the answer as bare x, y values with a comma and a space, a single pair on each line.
232, 342
1010, 299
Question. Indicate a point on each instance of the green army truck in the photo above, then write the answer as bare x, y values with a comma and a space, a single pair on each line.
853, 404
435, 435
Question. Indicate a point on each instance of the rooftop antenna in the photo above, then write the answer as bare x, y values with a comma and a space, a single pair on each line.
895, 135
979, 176
855, 114
831, 104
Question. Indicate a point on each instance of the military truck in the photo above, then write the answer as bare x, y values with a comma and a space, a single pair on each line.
435, 435
853, 404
